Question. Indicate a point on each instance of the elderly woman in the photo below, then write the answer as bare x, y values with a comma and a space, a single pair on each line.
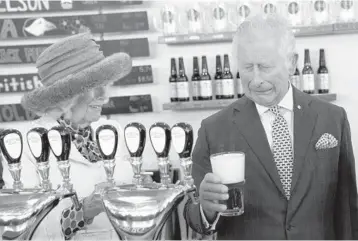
74, 74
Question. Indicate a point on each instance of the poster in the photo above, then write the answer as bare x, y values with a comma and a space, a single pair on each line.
128, 104
139, 75
19, 83
32, 6
36, 27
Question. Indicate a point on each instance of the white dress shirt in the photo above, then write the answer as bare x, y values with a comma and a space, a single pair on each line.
267, 118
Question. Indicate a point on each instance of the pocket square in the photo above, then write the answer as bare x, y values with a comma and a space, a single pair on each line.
326, 141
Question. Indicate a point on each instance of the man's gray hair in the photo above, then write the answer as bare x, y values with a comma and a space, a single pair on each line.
263, 27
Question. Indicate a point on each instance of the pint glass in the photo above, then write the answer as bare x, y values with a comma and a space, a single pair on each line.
230, 167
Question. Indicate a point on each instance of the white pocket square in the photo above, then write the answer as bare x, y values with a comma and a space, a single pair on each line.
326, 141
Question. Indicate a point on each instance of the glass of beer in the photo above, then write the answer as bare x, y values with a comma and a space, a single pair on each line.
230, 167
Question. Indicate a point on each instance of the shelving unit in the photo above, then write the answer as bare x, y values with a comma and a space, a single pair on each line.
329, 29
218, 104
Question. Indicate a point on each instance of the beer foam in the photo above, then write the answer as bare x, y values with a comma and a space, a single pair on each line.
230, 167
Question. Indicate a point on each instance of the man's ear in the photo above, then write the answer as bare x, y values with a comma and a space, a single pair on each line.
292, 64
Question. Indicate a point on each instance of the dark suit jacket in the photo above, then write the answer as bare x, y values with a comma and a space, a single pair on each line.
323, 202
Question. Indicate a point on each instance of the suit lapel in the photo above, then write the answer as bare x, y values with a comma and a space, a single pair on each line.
304, 122
247, 120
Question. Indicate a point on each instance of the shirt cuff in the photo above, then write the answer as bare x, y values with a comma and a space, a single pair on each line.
210, 227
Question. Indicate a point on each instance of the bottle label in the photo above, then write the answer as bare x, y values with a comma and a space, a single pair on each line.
323, 81
228, 87
296, 81
308, 82
196, 88
219, 86
206, 89
173, 90
240, 89
183, 89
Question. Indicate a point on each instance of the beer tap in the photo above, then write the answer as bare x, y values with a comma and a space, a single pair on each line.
11, 145
160, 138
23, 209
183, 139
60, 141
107, 139
135, 137
40, 148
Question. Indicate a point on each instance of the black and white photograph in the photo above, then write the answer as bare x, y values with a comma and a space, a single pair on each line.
178, 120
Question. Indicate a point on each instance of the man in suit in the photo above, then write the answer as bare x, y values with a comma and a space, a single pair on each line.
300, 172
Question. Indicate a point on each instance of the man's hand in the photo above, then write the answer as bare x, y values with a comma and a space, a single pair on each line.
212, 191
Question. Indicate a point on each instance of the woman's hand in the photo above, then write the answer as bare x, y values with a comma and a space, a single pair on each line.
93, 205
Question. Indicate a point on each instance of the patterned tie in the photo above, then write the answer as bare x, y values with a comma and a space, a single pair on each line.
282, 150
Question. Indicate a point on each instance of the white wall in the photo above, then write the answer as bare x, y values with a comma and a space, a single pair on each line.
341, 52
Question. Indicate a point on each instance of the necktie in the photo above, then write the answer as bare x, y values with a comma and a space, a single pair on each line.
282, 150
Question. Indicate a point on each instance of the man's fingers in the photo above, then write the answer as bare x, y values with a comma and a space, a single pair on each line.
211, 196
213, 207
217, 188
212, 178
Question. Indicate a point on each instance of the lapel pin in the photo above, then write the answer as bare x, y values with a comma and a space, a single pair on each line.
299, 107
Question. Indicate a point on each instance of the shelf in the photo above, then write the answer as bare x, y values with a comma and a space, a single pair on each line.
217, 104
329, 29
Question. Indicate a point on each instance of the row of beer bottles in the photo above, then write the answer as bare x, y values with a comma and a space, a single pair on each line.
225, 85
309, 84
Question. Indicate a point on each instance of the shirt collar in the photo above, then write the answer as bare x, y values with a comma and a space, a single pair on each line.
286, 102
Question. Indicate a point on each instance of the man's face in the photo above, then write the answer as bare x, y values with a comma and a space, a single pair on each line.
264, 71
89, 107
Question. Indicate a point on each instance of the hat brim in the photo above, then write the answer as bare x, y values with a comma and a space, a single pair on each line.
110, 69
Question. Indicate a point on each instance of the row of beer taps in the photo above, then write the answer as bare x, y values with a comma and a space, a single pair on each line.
58, 141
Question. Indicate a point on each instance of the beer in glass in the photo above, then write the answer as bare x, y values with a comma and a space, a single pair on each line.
230, 167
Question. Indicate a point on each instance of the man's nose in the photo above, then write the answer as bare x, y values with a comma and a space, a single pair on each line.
257, 80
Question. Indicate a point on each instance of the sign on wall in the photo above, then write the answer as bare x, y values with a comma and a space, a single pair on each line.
128, 104
28, 54
19, 83
15, 112
138, 47
21, 54
21, 6
68, 25
139, 75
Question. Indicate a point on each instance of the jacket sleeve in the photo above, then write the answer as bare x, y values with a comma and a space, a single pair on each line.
346, 209
201, 166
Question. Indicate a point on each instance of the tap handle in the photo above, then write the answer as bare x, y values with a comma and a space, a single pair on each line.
135, 137
11, 145
60, 140
38, 144
160, 138
182, 137
107, 140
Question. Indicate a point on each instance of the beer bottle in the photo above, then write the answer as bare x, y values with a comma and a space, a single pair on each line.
308, 84
195, 79
295, 79
173, 81
206, 88
240, 90
227, 80
218, 78
323, 75
182, 82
